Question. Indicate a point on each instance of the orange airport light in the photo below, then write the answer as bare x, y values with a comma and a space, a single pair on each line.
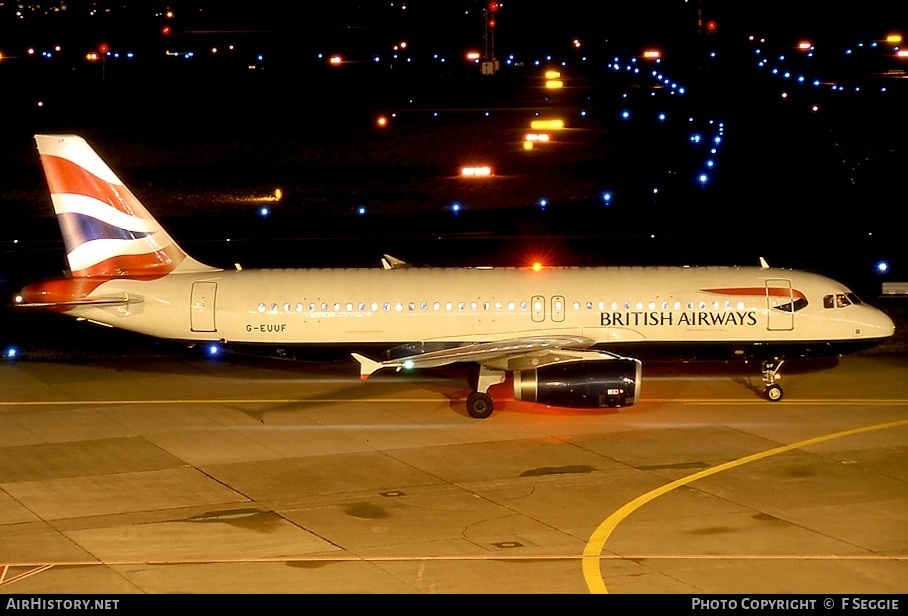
552, 74
554, 84
547, 124
652, 54
473, 55
901, 53
895, 39
805, 45
335, 60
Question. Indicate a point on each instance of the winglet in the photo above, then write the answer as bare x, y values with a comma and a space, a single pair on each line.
389, 262
366, 366
763, 263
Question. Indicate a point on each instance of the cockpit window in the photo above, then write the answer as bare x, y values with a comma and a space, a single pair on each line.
841, 300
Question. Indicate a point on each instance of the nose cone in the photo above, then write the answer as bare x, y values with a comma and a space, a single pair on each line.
879, 325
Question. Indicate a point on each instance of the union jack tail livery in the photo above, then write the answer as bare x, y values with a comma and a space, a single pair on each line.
106, 229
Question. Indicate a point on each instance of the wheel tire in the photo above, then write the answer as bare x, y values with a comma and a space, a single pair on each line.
479, 405
773, 393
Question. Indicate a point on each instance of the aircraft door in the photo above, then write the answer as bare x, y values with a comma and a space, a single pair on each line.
779, 304
537, 308
201, 309
558, 308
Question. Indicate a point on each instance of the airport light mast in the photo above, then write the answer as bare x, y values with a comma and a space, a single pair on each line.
489, 63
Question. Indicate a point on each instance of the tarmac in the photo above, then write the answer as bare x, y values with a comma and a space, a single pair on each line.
189, 475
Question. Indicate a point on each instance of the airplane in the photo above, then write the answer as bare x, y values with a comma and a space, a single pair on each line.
573, 337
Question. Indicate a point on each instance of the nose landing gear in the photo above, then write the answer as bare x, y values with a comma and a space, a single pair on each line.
771, 389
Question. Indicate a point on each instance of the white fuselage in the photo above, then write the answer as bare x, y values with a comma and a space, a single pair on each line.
611, 305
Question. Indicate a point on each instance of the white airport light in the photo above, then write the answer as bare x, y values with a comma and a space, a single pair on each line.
475, 171
538, 137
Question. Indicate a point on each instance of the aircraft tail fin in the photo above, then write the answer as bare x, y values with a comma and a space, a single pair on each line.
106, 229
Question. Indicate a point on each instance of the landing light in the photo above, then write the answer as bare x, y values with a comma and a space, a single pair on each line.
214, 350
11, 353
882, 267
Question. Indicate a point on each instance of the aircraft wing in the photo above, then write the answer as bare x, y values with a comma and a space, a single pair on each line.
496, 354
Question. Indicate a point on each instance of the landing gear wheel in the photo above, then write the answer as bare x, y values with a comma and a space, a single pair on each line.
773, 393
479, 405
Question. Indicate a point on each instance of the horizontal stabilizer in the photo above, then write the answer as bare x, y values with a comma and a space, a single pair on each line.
120, 300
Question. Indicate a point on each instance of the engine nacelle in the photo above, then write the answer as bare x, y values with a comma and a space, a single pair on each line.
582, 383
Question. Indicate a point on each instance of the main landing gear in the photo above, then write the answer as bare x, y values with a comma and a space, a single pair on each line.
479, 402
771, 389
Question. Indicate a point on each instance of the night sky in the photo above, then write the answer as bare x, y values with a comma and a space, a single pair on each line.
521, 24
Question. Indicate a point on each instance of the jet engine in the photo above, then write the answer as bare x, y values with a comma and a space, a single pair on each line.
581, 383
